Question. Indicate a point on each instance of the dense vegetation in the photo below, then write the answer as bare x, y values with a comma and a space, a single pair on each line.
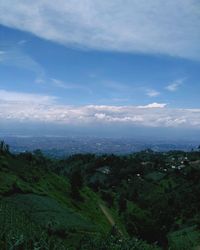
142, 201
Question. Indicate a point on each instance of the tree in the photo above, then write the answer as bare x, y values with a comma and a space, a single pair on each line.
76, 181
7, 148
122, 204
4, 148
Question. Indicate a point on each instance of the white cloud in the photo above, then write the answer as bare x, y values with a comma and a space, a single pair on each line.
174, 86
24, 98
155, 26
154, 105
152, 93
17, 107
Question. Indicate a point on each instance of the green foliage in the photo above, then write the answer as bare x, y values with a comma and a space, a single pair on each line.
48, 213
122, 204
18, 232
155, 176
76, 182
4, 148
184, 239
111, 242
73, 203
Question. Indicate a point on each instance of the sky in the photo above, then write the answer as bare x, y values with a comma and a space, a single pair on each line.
100, 65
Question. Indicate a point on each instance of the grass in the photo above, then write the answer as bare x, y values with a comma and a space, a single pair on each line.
38, 200
185, 239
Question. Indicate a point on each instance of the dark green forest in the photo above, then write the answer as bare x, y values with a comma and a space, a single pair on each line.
142, 201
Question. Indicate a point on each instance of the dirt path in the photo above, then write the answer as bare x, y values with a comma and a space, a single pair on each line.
109, 218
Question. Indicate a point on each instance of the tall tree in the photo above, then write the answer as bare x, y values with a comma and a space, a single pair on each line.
76, 181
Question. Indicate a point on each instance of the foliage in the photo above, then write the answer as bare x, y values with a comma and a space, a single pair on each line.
111, 242
76, 182
151, 199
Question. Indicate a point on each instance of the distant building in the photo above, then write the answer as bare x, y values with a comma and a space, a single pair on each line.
104, 170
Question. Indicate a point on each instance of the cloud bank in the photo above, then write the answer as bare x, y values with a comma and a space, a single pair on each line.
22, 107
155, 26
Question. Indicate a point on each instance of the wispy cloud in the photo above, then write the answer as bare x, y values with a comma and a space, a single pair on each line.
40, 80
18, 106
154, 26
65, 85
174, 86
152, 92
115, 86
22, 42
16, 57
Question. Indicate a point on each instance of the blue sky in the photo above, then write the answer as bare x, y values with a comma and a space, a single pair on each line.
97, 63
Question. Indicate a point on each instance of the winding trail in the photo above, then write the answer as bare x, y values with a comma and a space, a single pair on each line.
110, 218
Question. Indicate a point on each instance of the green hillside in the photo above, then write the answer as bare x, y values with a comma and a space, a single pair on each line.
44, 198
141, 201
37, 210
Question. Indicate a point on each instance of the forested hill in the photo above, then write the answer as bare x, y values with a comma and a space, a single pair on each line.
141, 201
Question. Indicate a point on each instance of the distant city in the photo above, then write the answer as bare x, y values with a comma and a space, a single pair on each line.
63, 146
